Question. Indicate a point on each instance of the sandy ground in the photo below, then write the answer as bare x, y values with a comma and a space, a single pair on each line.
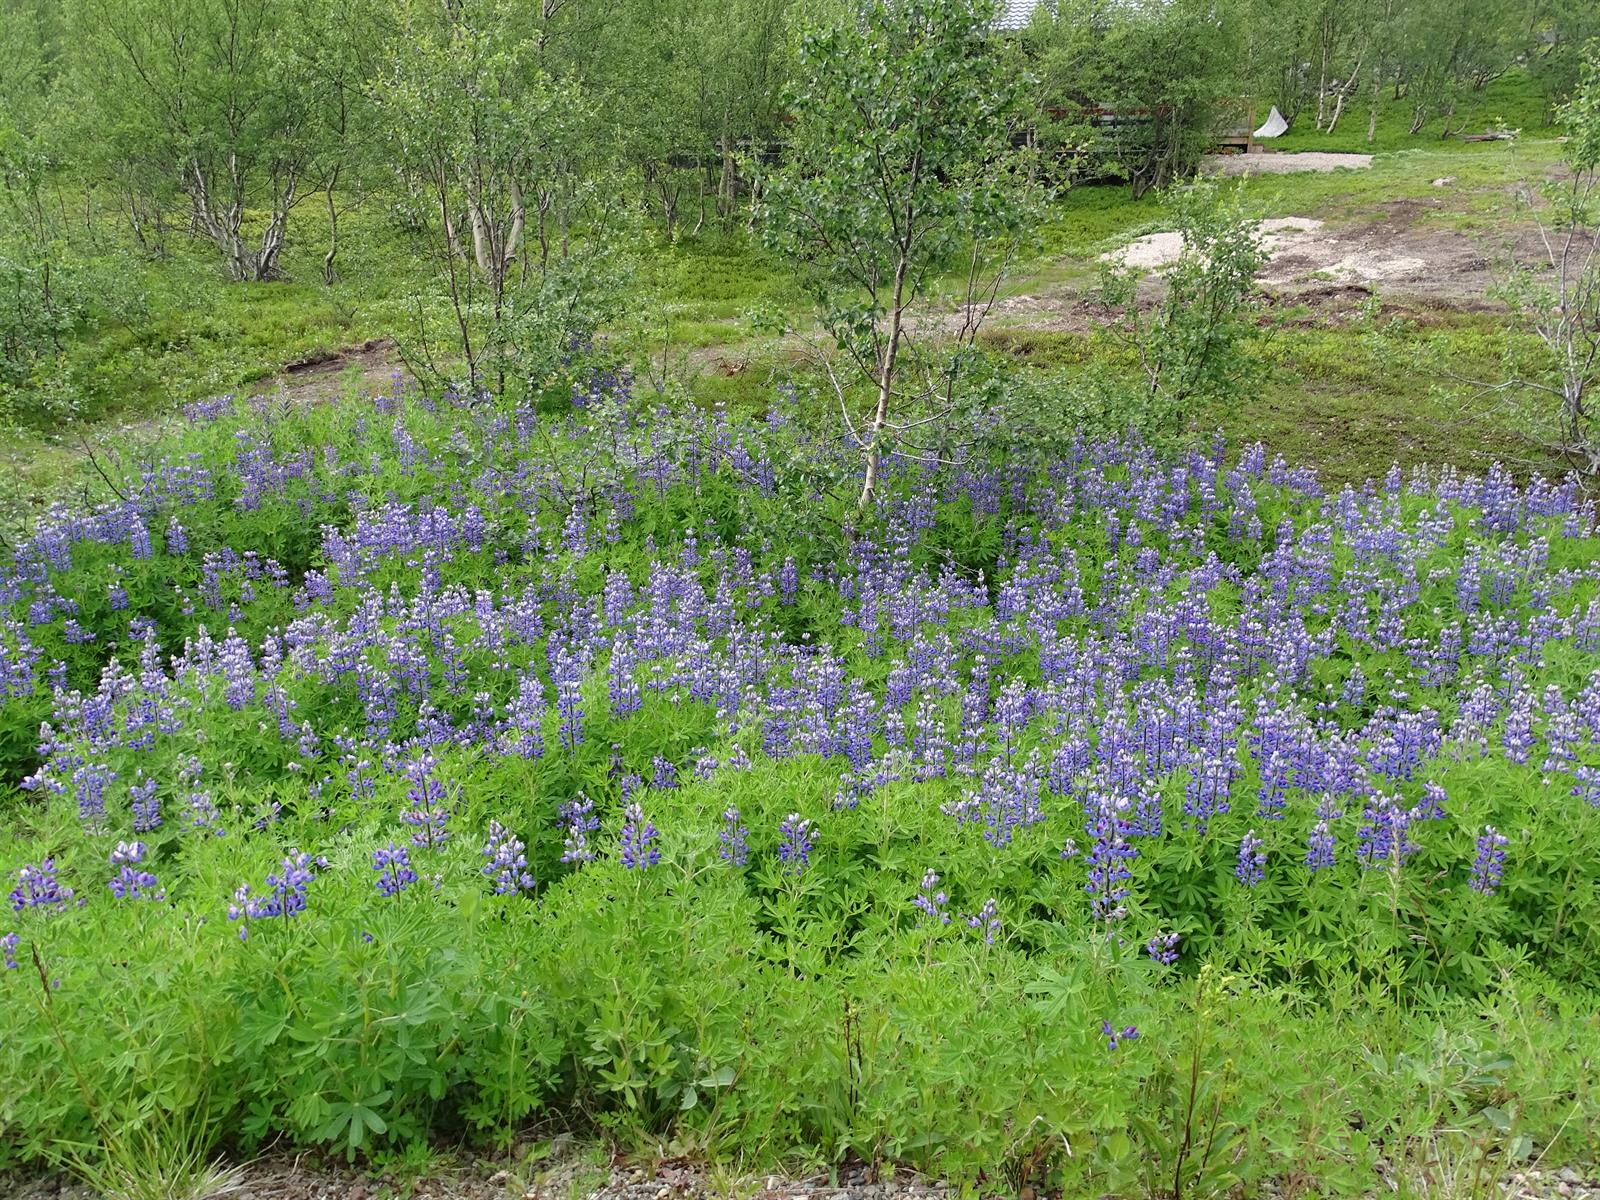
1157, 250
1283, 164
1415, 264
1299, 249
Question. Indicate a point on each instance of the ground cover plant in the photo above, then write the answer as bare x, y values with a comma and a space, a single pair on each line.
413, 768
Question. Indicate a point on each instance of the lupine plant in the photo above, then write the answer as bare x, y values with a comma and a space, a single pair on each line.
916, 812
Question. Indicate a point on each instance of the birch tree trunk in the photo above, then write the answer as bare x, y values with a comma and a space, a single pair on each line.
880, 416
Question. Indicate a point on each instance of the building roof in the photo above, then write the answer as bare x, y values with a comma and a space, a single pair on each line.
1016, 14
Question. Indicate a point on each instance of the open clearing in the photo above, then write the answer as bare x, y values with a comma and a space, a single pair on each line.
1408, 250
1404, 252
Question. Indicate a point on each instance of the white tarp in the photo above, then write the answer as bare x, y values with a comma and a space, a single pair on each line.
1275, 126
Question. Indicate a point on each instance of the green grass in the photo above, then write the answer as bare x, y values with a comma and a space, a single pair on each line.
1513, 101
190, 332
1348, 400
1352, 401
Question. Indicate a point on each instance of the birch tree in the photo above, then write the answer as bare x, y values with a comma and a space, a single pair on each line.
1556, 297
198, 93
498, 141
901, 161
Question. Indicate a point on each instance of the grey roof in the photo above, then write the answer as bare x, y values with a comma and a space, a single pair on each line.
1015, 14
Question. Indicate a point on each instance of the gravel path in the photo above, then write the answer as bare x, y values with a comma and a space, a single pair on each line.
566, 1171
1283, 164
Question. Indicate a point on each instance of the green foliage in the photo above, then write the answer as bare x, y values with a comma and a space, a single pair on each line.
1556, 299
895, 169
197, 98
1580, 121
1194, 348
753, 1014
1164, 71
527, 243
1567, 29
1177, 345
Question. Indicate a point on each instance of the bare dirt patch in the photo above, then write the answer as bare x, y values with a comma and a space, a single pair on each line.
1157, 250
1405, 253
322, 376
1405, 256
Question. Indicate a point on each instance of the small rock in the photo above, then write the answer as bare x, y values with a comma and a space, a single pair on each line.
1563, 1188
1444, 181
1568, 1175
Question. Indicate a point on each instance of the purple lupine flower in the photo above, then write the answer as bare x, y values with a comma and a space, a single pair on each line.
203, 812
735, 848
1320, 846
90, 781
139, 540
1516, 734
1163, 948
427, 813
626, 695
1384, 839
1006, 799
75, 634
8, 945
1115, 1037
393, 865
1431, 806
1251, 867
1587, 787
578, 813
38, 887
508, 862
284, 896
987, 919
1108, 858
931, 900
1209, 784
639, 851
525, 716
1490, 863
628, 785
795, 848
146, 805
132, 882
664, 775
566, 669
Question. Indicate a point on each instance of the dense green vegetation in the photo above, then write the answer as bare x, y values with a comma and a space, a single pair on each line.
737, 626
907, 820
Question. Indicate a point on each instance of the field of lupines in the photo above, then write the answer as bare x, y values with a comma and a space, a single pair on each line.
411, 769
